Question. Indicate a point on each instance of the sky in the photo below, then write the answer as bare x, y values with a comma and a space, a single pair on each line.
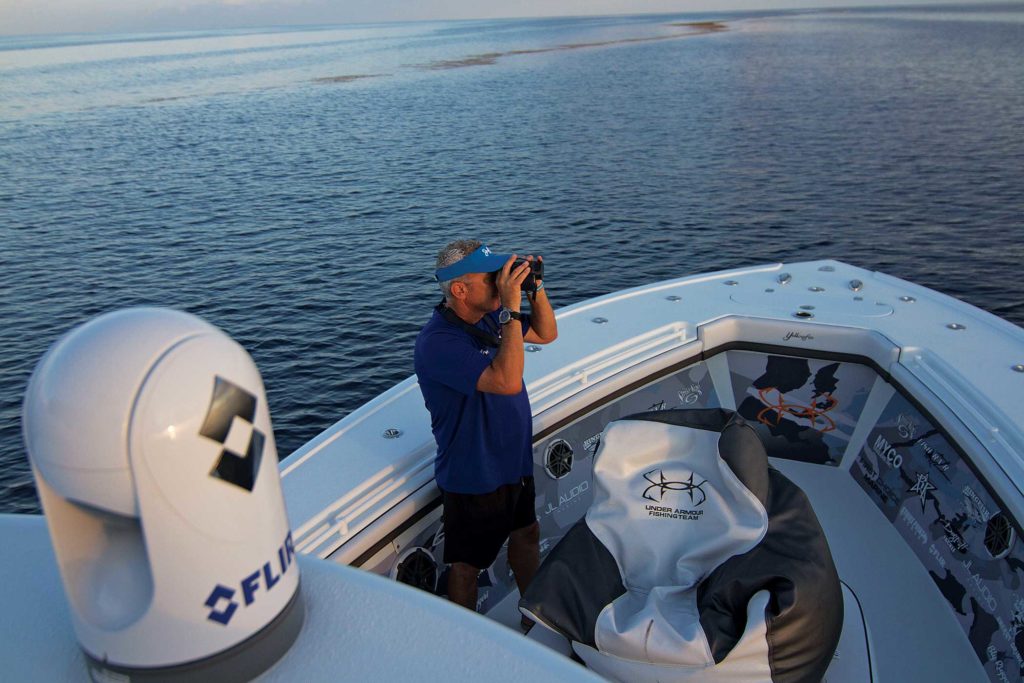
85, 16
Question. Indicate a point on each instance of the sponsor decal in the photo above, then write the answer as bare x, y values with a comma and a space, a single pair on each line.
887, 452
797, 335
1018, 612
1000, 668
592, 443
660, 485
977, 587
571, 496
778, 407
915, 527
905, 426
673, 513
954, 539
689, 395
936, 555
221, 601
922, 487
974, 505
229, 422
872, 480
867, 468
938, 460
1009, 632
438, 537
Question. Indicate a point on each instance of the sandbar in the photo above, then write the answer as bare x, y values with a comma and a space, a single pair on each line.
696, 28
345, 79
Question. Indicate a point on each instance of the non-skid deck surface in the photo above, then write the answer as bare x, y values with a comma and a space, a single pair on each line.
912, 632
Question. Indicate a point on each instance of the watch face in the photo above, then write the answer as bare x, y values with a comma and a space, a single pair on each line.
504, 316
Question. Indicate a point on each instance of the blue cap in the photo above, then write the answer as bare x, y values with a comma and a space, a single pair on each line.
483, 260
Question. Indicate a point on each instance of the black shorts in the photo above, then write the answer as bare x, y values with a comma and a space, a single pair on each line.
477, 525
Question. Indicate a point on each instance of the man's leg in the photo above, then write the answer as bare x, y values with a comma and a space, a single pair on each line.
462, 580
524, 554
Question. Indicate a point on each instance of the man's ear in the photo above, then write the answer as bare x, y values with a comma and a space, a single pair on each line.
458, 290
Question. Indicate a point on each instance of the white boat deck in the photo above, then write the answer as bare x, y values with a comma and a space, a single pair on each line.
905, 614
357, 627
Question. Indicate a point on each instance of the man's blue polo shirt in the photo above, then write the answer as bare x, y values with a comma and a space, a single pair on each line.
483, 440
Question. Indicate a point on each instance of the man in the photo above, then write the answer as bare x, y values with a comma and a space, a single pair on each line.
469, 362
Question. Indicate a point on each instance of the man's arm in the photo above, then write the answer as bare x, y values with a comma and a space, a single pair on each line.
543, 327
505, 373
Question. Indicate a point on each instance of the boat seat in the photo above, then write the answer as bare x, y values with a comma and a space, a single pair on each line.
851, 662
696, 560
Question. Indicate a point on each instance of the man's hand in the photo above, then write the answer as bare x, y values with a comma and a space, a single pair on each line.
509, 282
505, 373
543, 327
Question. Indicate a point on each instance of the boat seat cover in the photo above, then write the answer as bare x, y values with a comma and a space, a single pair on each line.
696, 560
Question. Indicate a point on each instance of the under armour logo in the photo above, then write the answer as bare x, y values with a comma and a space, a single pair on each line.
696, 493
229, 422
486, 251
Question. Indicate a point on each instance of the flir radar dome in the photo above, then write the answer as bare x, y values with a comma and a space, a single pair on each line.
150, 440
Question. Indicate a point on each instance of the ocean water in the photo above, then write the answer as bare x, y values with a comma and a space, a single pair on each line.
292, 186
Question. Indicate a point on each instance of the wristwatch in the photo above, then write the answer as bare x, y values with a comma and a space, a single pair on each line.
506, 314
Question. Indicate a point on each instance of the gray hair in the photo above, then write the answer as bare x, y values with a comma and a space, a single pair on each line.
452, 253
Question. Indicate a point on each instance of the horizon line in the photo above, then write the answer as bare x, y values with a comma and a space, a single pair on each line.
305, 26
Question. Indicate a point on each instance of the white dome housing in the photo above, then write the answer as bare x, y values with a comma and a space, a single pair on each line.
150, 439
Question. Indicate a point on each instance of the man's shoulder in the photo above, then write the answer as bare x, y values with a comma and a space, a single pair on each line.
438, 333
436, 328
